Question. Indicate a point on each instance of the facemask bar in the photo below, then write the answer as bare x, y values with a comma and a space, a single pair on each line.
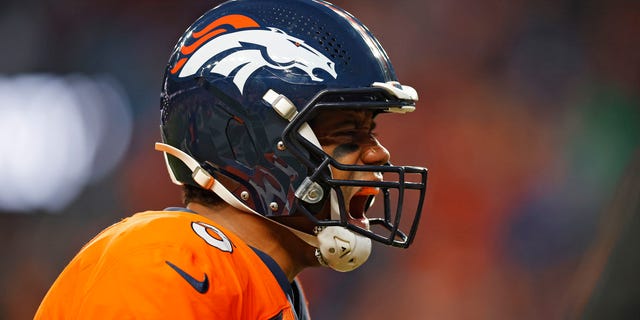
379, 100
389, 222
392, 213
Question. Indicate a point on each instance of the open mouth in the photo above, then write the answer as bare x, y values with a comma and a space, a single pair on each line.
359, 204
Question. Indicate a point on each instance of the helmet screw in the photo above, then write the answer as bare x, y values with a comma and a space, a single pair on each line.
244, 195
313, 195
281, 146
273, 206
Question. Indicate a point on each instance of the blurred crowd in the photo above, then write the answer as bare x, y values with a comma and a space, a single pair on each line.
528, 120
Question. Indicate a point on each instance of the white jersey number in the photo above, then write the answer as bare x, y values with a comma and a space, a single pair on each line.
204, 230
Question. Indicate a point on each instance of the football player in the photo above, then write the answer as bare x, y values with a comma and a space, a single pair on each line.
268, 116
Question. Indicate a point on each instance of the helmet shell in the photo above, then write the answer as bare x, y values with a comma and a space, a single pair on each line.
221, 67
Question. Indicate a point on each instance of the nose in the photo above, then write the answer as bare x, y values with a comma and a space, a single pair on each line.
375, 154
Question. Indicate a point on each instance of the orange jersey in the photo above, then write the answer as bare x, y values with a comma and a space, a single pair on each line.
169, 265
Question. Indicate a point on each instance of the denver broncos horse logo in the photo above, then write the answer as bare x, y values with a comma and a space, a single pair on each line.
255, 48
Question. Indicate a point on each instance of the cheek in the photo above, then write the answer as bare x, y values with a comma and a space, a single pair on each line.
344, 154
345, 150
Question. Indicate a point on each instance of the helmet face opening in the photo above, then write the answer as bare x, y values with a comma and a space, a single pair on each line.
213, 109
393, 217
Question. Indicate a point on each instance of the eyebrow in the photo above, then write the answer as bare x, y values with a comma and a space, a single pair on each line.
347, 122
356, 123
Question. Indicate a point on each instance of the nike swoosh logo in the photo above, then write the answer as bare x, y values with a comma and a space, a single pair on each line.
200, 286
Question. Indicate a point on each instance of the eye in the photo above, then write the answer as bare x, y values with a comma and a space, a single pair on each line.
349, 133
356, 136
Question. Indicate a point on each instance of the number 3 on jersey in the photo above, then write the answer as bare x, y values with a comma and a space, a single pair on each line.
205, 231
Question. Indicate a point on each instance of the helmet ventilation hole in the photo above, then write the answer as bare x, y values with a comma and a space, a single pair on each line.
311, 27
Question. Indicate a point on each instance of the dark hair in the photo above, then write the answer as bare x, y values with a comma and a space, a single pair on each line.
199, 195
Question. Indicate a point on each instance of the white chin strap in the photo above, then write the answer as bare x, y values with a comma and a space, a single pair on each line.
336, 247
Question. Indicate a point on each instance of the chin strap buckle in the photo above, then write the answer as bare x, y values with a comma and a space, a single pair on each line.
309, 191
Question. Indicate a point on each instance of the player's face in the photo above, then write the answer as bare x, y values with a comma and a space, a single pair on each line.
348, 136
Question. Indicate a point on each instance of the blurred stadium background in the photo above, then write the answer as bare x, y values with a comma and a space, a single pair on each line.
529, 121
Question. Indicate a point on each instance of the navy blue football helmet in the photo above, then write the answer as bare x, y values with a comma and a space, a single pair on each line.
239, 89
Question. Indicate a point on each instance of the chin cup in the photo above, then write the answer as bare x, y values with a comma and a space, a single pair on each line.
341, 249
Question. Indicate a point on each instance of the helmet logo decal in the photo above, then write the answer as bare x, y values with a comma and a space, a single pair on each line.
248, 47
